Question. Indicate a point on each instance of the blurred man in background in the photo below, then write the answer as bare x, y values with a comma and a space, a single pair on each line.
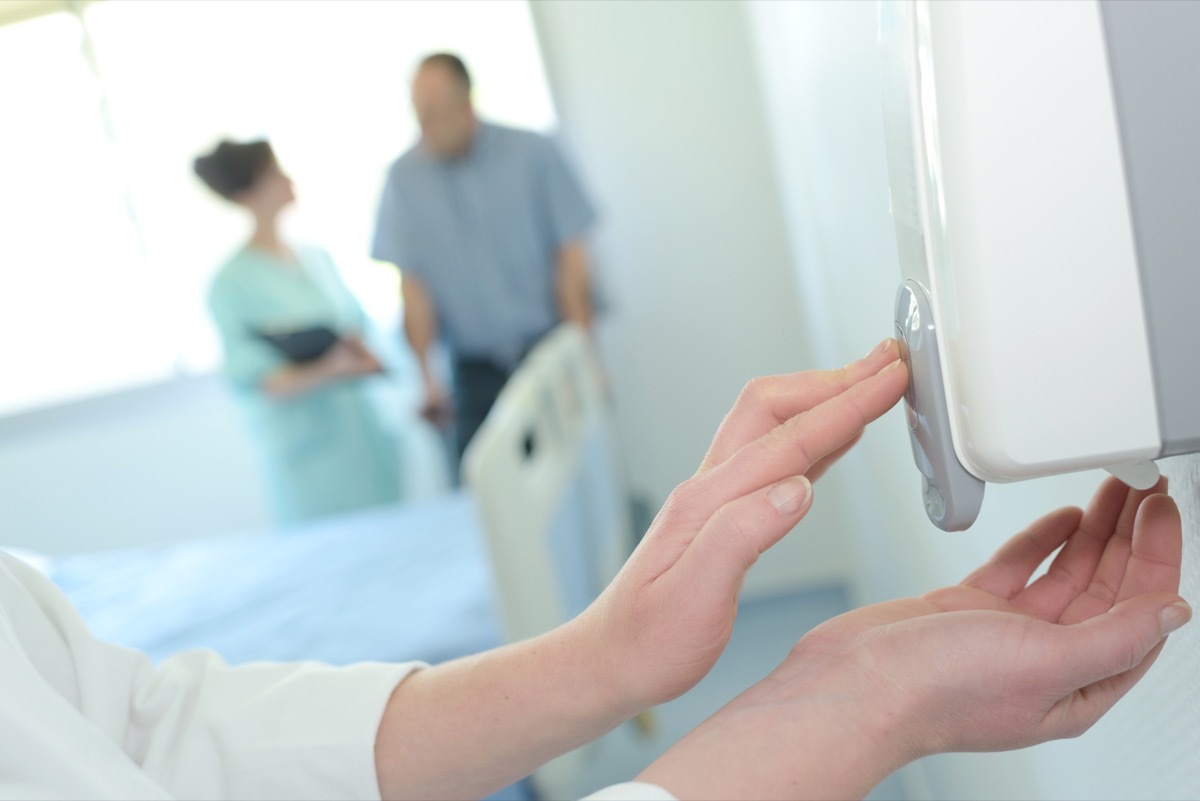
486, 224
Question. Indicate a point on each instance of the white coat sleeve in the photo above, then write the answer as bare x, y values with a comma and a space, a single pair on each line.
631, 791
81, 718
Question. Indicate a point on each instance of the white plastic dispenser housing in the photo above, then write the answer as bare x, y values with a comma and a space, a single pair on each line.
1044, 166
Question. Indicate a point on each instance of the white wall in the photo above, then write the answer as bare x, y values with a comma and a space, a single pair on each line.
159, 463
154, 464
818, 66
661, 112
669, 133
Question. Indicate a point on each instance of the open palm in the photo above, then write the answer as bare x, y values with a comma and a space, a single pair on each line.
1001, 662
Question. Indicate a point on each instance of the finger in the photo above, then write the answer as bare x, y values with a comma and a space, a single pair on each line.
818, 469
1009, 569
1114, 564
738, 533
1072, 570
1101, 658
794, 447
1110, 644
1080, 710
766, 402
1157, 557
1105, 586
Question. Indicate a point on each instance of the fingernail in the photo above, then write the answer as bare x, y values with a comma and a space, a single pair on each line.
789, 496
1174, 616
880, 348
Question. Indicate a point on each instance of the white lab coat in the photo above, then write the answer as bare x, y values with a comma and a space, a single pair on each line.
81, 718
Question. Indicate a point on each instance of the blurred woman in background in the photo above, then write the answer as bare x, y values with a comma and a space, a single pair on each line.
292, 336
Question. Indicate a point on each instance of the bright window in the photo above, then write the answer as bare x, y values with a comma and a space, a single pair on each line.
110, 241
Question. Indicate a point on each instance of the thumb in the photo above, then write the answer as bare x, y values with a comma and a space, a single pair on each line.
741, 530
1108, 653
1103, 657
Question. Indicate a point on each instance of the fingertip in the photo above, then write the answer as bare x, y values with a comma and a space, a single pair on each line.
896, 368
1174, 616
1157, 508
790, 496
1160, 501
1114, 484
889, 346
1065, 519
1121, 639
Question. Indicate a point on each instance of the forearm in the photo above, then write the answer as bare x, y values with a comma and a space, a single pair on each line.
573, 285
420, 323
466, 728
420, 336
295, 380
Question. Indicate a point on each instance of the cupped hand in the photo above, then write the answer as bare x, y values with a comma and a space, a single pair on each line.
669, 613
999, 662
994, 663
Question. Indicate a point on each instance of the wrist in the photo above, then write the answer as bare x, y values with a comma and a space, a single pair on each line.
586, 664
627, 668
505, 712
821, 736
329, 367
428, 382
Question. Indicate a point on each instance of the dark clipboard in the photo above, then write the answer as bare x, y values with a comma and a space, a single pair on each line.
300, 345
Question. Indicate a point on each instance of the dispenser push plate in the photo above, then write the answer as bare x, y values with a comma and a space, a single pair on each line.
952, 496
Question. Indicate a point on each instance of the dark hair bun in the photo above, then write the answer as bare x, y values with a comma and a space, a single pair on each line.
232, 168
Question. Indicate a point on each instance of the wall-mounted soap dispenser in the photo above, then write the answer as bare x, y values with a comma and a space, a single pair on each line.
1044, 161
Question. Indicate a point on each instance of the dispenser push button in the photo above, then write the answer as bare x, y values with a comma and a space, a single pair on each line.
951, 495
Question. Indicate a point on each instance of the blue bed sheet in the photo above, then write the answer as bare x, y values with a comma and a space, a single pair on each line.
388, 584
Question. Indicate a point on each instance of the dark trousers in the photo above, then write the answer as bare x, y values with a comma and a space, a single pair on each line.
477, 383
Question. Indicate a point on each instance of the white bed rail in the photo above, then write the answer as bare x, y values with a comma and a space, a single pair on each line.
549, 487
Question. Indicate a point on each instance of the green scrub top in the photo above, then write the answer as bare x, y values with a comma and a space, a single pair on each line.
324, 452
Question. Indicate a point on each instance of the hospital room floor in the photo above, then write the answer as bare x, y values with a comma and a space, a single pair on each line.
764, 632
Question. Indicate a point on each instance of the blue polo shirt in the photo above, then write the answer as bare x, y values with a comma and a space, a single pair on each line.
482, 232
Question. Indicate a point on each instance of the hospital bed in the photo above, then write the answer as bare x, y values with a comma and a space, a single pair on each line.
396, 583
391, 583
548, 478
549, 482
538, 531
